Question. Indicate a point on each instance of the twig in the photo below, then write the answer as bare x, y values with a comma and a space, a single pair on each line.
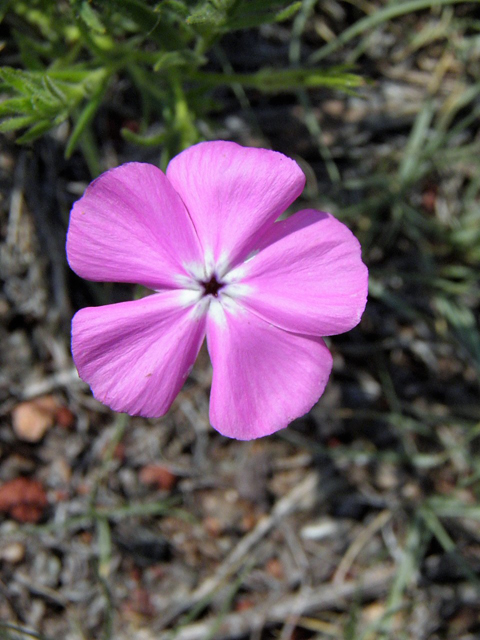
372, 584
357, 545
51, 383
286, 505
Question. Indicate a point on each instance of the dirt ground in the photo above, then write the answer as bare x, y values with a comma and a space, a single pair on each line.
359, 521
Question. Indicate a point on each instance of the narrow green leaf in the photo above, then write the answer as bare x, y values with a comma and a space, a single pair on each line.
413, 151
277, 80
185, 58
150, 22
85, 117
288, 12
104, 547
28, 51
13, 106
36, 131
145, 141
255, 18
55, 88
178, 7
407, 565
206, 16
464, 326
22, 81
10, 124
91, 19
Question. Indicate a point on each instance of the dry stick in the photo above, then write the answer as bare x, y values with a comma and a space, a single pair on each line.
357, 545
286, 505
50, 383
372, 584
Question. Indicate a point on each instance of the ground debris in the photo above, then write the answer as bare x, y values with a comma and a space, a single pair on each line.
24, 499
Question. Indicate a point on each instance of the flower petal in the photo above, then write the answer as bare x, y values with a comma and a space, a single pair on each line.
137, 355
263, 377
232, 192
131, 226
308, 276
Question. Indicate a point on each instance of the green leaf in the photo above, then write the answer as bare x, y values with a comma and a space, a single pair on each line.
36, 131
44, 99
86, 116
146, 141
11, 124
179, 8
22, 81
464, 326
278, 80
229, 15
104, 540
90, 18
206, 16
252, 16
184, 58
28, 51
11, 106
288, 12
149, 21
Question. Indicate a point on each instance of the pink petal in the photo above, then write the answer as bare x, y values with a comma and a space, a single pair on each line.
131, 226
137, 355
263, 377
232, 192
308, 276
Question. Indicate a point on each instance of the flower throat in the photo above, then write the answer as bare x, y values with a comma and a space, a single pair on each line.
212, 286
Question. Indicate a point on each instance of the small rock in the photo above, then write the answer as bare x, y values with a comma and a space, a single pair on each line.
320, 529
59, 474
23, 499
32, 419
274, 567
13, 553
244, 603
157, 475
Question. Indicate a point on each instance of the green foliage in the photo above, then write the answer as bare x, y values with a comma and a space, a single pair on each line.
228, 15
69, 55
277, 80
42, 100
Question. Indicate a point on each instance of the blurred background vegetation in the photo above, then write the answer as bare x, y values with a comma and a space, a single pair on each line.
360, 521
74, 54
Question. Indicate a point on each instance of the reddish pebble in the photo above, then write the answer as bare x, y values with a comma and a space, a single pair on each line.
140, 603
119, 452
61, 495
248, 522
275, 568
157, 475
243, 604
212, 526
429, 198
23, 499
64, 417
333, 442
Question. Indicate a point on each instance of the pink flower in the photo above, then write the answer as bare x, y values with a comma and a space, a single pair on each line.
204, 238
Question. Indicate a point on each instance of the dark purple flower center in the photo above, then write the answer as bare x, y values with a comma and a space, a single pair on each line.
212, 286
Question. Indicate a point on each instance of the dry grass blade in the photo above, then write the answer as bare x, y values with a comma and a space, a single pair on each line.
291, 503
373, 584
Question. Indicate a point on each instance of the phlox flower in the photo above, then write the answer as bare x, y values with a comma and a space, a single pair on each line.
204, 238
